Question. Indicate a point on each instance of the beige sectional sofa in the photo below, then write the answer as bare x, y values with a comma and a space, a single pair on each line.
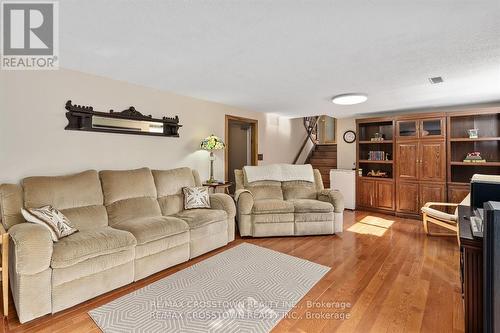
287, 208
131, 224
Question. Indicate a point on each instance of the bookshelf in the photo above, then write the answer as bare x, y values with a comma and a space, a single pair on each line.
375, 153
487, 122
487, 143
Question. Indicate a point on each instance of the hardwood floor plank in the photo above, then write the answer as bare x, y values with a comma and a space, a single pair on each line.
394, 278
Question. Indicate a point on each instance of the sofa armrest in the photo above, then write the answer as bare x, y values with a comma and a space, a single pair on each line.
334, 197
32, 248
223, 202
244, 202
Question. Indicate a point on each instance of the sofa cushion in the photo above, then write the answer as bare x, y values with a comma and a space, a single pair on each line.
134, 208
299, 189
311, 206
62, 192
11, 202
79, 192
196, 218
265, 190
172, 181
127, 184
149, 229
272, 206
88, 244
129, 194
88, 217
169, 184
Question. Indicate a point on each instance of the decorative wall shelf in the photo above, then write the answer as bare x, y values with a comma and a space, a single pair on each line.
129, 121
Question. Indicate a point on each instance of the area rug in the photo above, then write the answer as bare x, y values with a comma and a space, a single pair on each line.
247, 288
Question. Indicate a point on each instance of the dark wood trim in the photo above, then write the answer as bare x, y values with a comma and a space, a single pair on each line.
80, 118
254, 123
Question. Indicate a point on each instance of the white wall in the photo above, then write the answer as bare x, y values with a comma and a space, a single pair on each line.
346, 152
33, 140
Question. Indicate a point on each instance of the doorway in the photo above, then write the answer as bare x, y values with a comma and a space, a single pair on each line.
241, 146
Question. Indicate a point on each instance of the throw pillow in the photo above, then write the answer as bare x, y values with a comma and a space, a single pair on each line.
58, 224
196, 197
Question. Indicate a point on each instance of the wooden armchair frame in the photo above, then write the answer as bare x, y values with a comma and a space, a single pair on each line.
445, 223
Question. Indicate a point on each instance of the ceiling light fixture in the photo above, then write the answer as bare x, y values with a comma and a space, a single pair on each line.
349, 99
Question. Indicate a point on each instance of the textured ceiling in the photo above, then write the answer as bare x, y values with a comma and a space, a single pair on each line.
290, 57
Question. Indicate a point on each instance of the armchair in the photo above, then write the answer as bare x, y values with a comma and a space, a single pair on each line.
276, 204
442, 219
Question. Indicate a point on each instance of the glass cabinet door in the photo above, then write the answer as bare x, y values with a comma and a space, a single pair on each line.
407, 129
431, 128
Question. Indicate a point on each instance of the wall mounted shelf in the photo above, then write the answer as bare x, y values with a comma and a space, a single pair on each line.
129, 121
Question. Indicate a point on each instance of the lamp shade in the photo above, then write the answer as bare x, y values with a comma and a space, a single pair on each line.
212, 142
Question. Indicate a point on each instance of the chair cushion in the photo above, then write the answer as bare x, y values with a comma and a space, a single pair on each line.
311, 206
87, 244
439, 214
196, 218
272, 206
148, 229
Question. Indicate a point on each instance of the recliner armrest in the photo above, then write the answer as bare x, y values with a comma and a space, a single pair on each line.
32, 248
244, 201
334, 197
223, 202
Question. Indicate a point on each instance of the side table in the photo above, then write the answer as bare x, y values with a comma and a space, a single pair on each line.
214, 186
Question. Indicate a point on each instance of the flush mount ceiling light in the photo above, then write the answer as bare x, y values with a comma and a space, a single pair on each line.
349, 99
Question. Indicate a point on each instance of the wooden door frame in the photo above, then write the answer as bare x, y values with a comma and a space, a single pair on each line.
254, 124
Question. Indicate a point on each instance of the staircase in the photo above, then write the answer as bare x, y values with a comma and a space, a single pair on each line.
323, 158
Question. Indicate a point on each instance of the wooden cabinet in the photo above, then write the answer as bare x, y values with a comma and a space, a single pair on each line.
407, 197
457, 193
407, 160
432, 161
421, 161
432, 128
375, 193
407, 129
384, 195
428, 160
426, 128
431, 192
366, 192
411, 196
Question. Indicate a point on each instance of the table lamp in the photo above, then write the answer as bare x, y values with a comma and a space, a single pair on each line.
212, 143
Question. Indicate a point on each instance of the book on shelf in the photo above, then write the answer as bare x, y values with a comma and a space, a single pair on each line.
377, 155
474, 161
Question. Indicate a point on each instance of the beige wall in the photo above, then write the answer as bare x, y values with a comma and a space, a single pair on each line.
33, 140
346, 152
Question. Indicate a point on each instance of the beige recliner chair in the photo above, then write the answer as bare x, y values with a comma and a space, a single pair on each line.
286, 200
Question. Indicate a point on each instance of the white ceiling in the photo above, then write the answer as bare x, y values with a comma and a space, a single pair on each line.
290, 57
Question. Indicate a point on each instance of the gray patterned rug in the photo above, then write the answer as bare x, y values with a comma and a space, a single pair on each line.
245, 289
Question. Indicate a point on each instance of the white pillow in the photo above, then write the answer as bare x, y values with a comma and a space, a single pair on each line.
52, 219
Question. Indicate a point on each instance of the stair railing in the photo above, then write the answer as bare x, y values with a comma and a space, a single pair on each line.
310, 124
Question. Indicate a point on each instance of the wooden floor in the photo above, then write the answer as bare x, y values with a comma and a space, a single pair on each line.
384, 278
